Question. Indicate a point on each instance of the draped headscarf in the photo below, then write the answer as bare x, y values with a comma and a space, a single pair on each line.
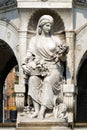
43, 20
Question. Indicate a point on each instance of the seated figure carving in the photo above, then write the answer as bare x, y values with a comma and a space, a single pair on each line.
44, 69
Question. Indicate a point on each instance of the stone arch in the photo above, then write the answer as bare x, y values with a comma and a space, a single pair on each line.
7, 62
83, 59
80, 48
81, 73
8, 54
9, 34
82, 90
58, 22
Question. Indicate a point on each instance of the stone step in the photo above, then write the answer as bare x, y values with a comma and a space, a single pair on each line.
44, 128
13, 128
43, 125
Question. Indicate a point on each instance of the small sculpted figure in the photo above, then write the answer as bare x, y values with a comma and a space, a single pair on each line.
43, 66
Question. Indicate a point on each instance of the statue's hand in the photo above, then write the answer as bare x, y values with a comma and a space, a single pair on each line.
32, 65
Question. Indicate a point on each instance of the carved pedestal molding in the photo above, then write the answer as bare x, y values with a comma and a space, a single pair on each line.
19, 90
68, 92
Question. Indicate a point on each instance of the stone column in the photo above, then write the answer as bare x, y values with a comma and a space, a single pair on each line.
22, 53
23, 28
69, 88
22, 48
70, 35
20, 89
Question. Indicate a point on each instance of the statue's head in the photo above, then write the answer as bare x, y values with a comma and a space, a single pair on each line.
44, 19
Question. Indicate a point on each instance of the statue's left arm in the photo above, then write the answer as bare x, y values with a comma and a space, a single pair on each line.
61, 50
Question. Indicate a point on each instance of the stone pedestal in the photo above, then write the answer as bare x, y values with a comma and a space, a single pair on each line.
68, 92
42, 125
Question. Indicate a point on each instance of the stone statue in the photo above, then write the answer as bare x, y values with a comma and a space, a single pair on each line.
44, 70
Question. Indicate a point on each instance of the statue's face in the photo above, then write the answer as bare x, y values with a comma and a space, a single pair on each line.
47, 27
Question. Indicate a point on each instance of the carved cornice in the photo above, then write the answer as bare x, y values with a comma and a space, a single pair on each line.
7, 3
44, 4
80, 2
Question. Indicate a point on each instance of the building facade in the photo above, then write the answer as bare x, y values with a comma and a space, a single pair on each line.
18, 20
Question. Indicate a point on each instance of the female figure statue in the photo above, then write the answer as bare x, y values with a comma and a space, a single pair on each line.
43, 65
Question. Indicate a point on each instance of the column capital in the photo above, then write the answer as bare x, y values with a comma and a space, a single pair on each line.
19, 88
68, 88
70, 33
22, 33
